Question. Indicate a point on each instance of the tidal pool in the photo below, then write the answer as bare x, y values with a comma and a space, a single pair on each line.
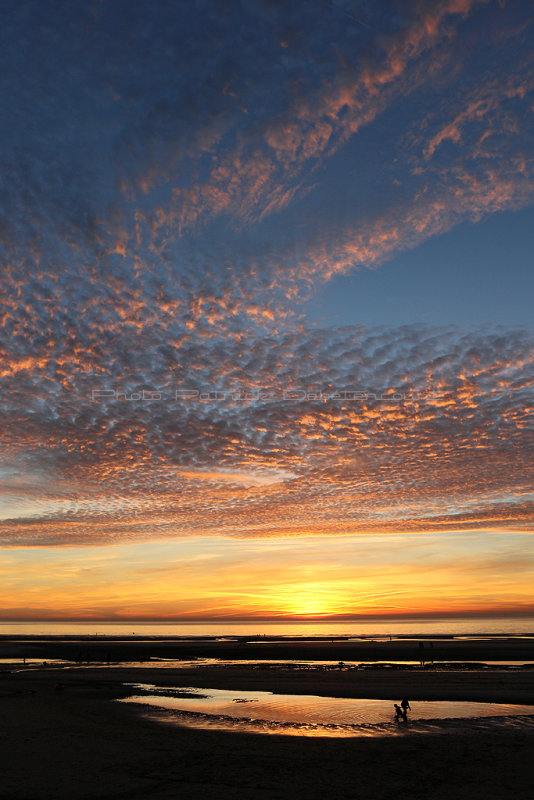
306, 714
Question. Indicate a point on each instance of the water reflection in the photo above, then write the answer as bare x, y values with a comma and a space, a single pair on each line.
305, 714
375, 629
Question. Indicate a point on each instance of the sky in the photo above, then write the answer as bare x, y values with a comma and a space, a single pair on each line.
266, 338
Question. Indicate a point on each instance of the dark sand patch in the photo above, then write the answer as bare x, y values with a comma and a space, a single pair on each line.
73, 743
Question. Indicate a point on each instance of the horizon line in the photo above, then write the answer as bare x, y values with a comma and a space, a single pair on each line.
272, 620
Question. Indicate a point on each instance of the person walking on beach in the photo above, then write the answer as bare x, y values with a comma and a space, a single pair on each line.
405, 705
399, 714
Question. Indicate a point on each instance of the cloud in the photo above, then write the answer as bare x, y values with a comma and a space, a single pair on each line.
330, 431
246, 479
173, 185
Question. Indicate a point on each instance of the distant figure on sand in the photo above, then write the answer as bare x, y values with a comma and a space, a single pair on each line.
405, 706
399, 714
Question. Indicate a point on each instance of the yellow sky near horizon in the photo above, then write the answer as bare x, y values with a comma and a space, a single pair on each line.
229, 578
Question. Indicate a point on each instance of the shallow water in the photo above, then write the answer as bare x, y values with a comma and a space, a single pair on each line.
288, 664
20, 660
469, 627
295, 665
266, 712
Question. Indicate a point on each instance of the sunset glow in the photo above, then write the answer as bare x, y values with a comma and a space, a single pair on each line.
220, 578
266, 341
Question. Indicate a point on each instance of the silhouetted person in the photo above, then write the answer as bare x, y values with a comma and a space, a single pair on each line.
399, 714
405, 706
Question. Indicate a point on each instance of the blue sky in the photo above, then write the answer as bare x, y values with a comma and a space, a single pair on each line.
475, 275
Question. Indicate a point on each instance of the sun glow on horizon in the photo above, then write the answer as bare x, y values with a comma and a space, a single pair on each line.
206, 578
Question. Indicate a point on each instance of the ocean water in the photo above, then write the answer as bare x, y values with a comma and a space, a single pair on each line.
368, 628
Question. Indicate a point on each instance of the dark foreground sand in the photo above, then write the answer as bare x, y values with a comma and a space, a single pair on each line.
77, 743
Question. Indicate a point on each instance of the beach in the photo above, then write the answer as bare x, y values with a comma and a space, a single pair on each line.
65, 736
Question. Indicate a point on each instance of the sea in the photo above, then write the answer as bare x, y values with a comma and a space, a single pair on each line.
474, 626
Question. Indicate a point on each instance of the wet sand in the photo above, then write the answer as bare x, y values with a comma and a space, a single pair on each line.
498, 686
516, 648
75, 742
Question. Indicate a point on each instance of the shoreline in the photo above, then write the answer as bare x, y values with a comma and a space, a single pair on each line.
509, 648
498, 685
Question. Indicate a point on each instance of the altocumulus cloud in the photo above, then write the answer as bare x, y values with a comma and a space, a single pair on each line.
322, 431
174, 181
